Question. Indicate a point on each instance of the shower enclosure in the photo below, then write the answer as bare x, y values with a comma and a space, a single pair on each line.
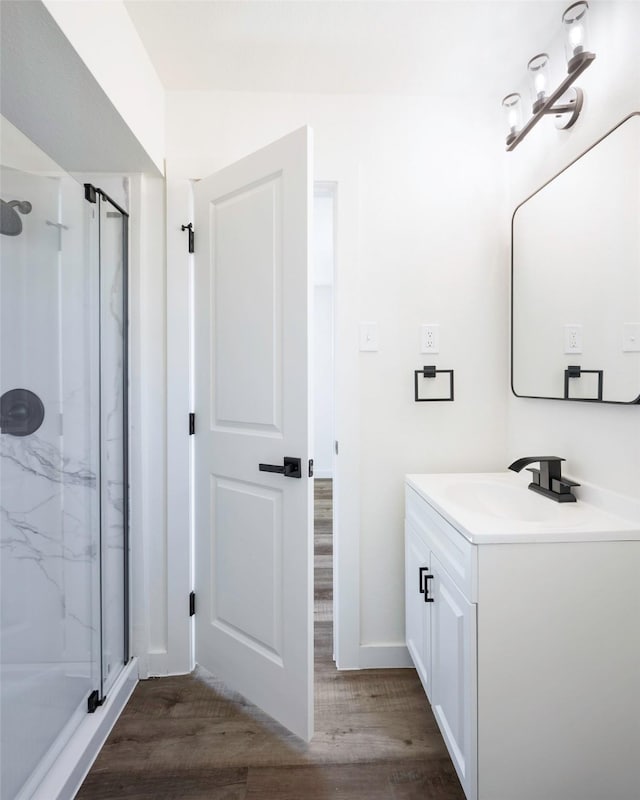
63, 456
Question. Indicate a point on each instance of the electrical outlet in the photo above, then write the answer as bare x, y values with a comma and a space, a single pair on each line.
573, 338
430, 338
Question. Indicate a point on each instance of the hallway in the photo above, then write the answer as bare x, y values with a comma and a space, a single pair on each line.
190, 738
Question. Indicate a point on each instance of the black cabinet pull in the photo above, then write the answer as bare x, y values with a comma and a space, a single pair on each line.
292, 468
424, 576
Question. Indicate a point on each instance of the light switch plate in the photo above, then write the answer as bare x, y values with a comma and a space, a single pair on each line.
369, 337
631, 337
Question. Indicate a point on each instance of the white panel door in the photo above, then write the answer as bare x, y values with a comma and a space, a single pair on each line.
253, 528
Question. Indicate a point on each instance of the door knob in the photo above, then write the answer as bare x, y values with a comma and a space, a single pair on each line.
292, 468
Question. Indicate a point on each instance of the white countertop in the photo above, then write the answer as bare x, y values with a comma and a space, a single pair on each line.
498, 508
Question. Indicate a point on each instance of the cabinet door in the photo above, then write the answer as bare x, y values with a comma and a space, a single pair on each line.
453, 673
417, 612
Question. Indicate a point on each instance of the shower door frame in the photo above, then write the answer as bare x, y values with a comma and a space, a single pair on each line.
92, 193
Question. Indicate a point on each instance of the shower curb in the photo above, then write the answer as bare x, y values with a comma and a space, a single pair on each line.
65, 777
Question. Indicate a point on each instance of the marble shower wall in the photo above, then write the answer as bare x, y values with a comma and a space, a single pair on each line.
49, 498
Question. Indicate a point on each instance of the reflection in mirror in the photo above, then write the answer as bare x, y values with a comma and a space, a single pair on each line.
576, 278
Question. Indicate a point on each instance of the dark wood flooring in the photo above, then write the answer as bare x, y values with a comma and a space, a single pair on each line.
191, 738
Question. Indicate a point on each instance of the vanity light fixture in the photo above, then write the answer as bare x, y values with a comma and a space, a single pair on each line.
574, 21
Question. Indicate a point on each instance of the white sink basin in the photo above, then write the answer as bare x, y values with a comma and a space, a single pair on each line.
500, 499
499, 507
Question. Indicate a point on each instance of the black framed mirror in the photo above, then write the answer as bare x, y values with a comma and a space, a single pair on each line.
575, 277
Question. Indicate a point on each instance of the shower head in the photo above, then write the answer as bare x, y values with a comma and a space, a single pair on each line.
10, 222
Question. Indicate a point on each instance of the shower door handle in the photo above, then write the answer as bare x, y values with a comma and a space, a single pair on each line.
292, 468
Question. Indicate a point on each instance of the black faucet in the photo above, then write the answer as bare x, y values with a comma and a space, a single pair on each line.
548, 479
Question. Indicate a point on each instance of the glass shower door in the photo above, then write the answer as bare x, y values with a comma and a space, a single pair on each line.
49, 471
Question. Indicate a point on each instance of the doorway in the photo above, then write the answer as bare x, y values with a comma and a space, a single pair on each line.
253, 503
324, 403
343, 608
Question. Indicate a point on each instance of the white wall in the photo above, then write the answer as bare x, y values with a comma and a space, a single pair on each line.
601, 443
423, 185
150, 601
104, 36
424, 197
50, 94
427, 249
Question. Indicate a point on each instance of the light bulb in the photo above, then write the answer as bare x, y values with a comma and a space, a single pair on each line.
513, 114
538, 68
576, 35
574, 22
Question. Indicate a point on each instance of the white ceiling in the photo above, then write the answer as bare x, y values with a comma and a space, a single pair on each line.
345, 46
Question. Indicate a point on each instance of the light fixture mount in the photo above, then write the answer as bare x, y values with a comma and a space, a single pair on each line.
568, 112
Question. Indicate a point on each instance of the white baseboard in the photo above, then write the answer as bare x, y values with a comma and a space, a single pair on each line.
384, 656
65, 777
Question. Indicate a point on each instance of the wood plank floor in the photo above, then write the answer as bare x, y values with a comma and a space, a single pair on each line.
191, 738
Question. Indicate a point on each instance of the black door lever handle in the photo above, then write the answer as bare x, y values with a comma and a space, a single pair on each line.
292, 468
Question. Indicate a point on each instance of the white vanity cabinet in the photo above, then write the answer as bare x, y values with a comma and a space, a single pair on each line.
453, 672
441, 630
529, 654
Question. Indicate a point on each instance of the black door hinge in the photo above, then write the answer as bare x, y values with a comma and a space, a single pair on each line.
192, 424
311, 468
192, 603
90, 193
93, 701
189, 228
